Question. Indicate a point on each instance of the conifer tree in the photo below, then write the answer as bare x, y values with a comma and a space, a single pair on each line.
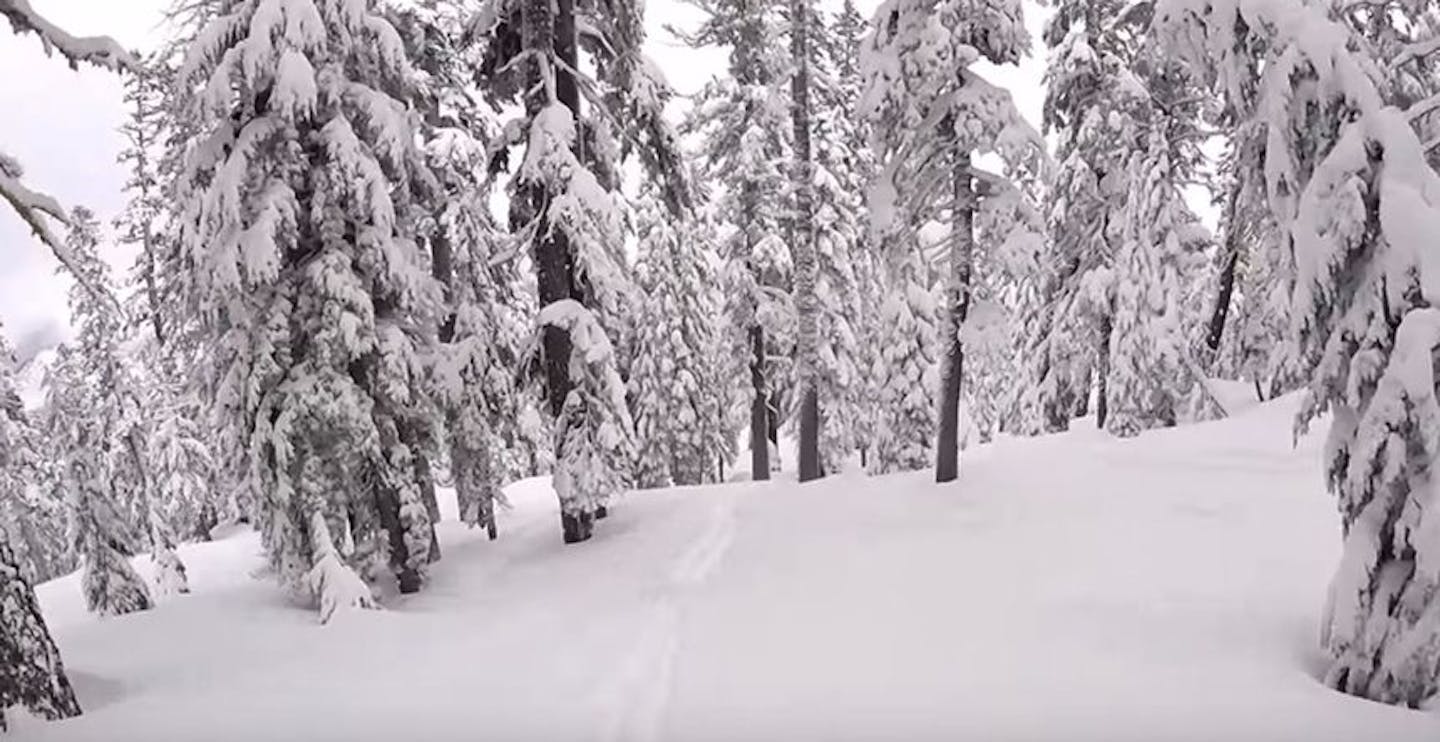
1090, 102
31, 673
92, 415
566, 209
1160, 262
299, 230
1356, 203
933, 114
674, 381
905, 368
31, 516
742, 122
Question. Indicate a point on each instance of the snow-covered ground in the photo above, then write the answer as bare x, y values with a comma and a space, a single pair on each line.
1070, 588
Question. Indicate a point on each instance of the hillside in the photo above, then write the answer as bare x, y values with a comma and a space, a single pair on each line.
1075, 587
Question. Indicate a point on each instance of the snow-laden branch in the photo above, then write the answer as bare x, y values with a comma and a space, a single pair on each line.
101, 51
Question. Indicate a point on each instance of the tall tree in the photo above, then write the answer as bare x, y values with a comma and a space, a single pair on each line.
576, 129
1090, 101
92, 414
299, 227
31, 674
1160, 263
674, 382
803, 238
1357, 204
741, 121
933, 114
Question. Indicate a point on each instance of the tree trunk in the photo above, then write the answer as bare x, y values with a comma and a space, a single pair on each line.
550, 28
1221, 311
803, 247
759, 409
31, 673
962, 246
1102, 372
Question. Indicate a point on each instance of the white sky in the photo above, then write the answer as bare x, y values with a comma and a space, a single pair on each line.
62, 126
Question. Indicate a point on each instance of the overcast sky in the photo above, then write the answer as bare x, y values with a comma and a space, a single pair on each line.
62, 126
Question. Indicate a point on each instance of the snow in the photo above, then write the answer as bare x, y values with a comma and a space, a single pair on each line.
1076, 587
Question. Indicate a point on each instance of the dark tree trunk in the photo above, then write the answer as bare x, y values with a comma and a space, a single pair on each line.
759, 409
962, 245
1221, 311
1215, 330
807, 352
31, 673
553, 26
1102, 372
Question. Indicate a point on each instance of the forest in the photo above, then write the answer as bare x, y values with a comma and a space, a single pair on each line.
391, 252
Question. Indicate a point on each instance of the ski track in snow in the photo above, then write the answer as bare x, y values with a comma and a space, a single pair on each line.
638, 697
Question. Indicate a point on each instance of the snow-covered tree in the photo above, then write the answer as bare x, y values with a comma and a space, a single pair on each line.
299, 227
1152, 378
485, 308
844, 269
31, 674
743, 125
933, 114
905, 368
674, 382
31, 518
92, 418
1160, 265
1358, 207
576, 130
1090, 108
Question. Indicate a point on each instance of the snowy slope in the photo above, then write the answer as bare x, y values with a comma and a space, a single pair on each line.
1068, 588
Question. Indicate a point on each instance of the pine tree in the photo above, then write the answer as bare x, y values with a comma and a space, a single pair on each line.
300, 228
31, 517
91, 417
905, 368
742, 123
674, 381
933, 114
484, 305
565, 206
1356, 202
31, 674
1091, 97
1154, 380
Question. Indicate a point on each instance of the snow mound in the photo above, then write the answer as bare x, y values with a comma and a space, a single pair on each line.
1074, 587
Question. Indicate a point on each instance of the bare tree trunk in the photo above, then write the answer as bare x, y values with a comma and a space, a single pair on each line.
1102, 372
1220, 313
803, 248
759, 409
962, 247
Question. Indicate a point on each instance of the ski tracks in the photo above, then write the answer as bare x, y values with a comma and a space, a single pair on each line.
638, 695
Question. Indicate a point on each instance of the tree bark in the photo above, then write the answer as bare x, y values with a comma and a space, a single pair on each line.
807, 350
759, 409
553, 33
1102, 371
1220, 313
962, 247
